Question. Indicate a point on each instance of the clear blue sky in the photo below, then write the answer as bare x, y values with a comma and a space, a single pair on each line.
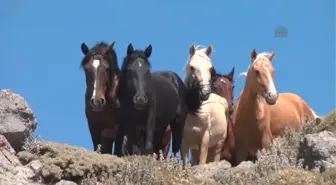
40, 47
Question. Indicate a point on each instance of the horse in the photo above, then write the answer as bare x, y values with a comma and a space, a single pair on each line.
101, 106
261, 113
206, 123
149, 99
223, 85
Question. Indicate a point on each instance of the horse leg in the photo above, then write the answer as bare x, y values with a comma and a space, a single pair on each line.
211, 156
177, 126
96, 134
204, 147
119, 142
131, 136
158, 138
150, 129
107, 139
217, 150
166, 141
184, 153
195, 157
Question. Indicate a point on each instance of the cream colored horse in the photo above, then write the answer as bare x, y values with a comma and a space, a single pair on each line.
205, 128
260, 113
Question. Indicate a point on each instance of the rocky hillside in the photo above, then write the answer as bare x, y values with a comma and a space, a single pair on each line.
308, 157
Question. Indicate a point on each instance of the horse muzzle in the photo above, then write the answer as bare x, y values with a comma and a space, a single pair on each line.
140, 101
271, 97
97, 104
205, 93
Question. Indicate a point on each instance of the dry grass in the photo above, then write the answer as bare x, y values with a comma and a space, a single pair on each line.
61, 161
278, 164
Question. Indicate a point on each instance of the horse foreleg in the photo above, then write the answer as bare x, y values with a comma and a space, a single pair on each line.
96, 135
177, 126
195, 155
267, 137
118, 145
218, 149
184, 153
166, 142
107, 139
204, 146
150, 129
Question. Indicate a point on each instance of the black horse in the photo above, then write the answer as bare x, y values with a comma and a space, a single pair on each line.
150, 100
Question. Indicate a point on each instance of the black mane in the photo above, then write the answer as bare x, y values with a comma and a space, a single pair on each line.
111, 57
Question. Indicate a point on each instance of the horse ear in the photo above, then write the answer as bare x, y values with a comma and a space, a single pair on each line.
208, 51
192, 50
253, 55
84, 48
110, 48
231, 74
130, 49
148, 51
270, 56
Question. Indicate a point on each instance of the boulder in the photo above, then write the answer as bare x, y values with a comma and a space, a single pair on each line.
11, 170
318, 151
17, 121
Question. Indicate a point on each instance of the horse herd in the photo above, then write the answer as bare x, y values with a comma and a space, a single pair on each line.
134, 106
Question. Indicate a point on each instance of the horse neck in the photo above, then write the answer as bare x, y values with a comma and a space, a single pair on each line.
252, 105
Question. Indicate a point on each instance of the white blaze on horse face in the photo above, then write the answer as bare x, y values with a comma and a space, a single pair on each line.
139, 64
202, 71
271, 86
95, 65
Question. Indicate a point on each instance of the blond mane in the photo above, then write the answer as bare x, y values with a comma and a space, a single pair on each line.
261, 55
200, 52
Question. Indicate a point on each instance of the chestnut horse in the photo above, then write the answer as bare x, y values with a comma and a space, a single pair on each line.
260, 113
101, 107
206, 123
223, 86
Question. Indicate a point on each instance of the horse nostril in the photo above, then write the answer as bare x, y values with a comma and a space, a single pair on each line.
136, 98
92, 101
102, 101
145, 99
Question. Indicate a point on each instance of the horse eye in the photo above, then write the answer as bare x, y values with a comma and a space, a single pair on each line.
106, 69
192, 68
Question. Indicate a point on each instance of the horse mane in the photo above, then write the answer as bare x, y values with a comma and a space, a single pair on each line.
99, 48
261, 55
131, 58
200, 52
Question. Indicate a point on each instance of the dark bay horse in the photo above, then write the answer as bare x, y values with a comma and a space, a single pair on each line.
150, 100
101, 107
223, 85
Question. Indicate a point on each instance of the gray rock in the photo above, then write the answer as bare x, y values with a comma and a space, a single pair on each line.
17, 120
11, 170
318, 151
35, 166
64, 182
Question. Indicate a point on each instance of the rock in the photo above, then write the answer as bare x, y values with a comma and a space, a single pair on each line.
318, 150
11, 170
17, 120
64, 182
35, 166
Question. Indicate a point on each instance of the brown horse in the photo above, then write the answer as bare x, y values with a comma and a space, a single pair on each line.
223, 86
101, 107
260, 113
